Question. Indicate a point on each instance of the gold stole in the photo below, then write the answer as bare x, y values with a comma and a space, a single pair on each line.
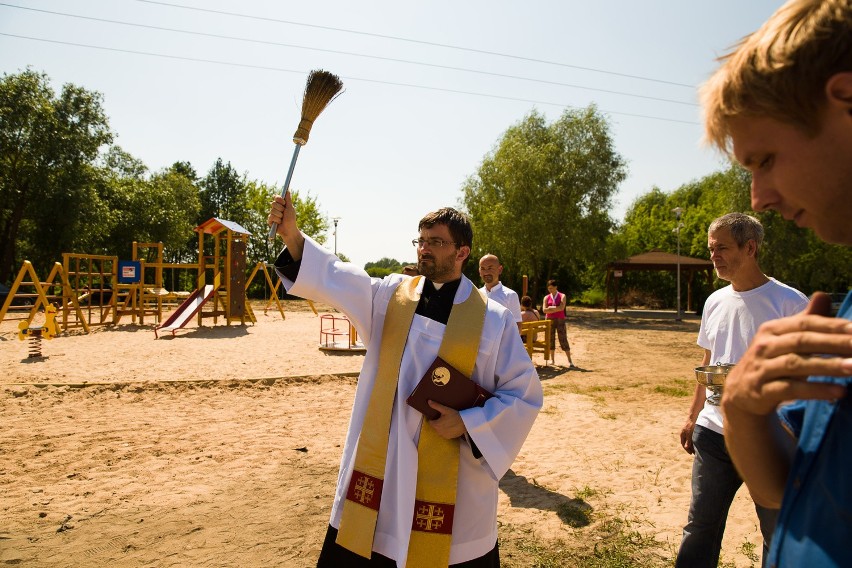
438, 459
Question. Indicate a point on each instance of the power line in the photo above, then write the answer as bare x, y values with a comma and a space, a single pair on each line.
349, 53
302, 72
421, 42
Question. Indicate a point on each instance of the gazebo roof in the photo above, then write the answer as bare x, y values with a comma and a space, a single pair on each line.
659, 260
214, 225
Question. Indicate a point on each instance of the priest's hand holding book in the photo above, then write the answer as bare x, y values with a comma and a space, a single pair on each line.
449, 425
445, 382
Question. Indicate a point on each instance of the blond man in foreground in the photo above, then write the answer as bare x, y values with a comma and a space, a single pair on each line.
781, 103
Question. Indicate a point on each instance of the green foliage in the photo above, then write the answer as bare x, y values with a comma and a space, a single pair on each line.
384, 267
384, 263
379, 272
606, 543
311, 220
123, 165
258, 197
789, 254
679, 388
48, 146
223, 194
186, 170
593, 297
162, 208
797, 256
228, 195
650, 225
540, 200
64, 187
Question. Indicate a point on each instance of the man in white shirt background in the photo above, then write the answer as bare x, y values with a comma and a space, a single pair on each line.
490, 270
730, 319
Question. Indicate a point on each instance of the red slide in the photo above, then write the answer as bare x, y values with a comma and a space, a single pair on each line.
186, 310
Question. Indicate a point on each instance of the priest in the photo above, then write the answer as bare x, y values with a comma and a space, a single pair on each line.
415, 492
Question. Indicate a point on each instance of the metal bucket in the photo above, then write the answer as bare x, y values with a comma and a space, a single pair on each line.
713, 377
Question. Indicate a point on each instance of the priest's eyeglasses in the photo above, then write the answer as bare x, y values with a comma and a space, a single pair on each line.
433, 243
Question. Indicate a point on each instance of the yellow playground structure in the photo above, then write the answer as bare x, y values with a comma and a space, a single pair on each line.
102, 290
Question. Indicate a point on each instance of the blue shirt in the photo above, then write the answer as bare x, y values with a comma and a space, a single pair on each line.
815, 523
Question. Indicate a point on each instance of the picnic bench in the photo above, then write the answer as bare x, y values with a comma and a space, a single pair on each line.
536, 338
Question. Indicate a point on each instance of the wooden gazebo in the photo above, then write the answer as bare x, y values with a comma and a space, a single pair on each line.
659, 260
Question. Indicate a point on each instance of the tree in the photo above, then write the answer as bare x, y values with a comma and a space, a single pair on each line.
383, 267
224, 194
48, 146
186, 170
540, 199
124, 165
650, 222
167, 209
227, 195
310, 218
789, 253
797, 256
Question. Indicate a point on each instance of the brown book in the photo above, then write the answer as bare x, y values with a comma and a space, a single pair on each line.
445, 384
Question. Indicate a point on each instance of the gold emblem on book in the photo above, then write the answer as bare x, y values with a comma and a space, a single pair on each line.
429, 517
364, 489
441, 376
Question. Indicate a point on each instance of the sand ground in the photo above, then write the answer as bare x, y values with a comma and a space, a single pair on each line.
220, 446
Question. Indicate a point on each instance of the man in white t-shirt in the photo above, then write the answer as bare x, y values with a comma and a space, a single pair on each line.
490, 270
730, 320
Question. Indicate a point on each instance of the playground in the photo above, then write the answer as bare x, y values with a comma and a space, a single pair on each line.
220, 446
90, 290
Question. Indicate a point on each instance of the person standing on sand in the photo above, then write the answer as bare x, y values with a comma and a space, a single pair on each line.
729, 321
553, 307
411, 490
781, 104
490, 270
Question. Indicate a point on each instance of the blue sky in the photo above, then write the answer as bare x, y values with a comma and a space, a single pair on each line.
429, 88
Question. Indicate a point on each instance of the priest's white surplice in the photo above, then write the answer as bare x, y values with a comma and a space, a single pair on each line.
498, 429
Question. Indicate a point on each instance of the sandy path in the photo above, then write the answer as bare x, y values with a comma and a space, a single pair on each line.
165, 466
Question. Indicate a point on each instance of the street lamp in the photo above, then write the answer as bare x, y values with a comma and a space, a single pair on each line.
678, 211
335, 219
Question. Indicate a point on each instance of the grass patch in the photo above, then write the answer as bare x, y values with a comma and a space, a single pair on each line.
549, 409
554, 388
587, 493
607, 388
607, 543
749, 550
599, 537
679, 388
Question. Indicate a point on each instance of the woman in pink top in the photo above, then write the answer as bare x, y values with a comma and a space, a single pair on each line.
553, 307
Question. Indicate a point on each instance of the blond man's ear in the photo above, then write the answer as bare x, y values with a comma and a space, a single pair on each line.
838, 90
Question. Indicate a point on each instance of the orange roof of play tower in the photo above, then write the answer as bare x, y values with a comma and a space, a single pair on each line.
215, 225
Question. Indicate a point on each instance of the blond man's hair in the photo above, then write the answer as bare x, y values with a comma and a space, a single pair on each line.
780, 71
